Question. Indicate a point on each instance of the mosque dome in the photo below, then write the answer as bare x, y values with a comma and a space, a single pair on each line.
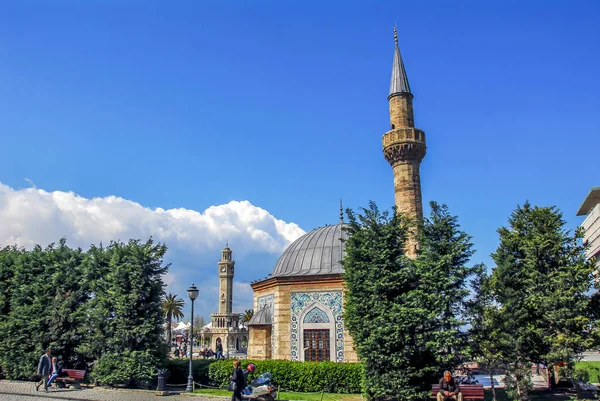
318, 252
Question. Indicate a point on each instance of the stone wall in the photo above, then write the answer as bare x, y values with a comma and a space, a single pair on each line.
259, 346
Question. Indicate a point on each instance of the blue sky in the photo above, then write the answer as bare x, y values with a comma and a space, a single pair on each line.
196, 104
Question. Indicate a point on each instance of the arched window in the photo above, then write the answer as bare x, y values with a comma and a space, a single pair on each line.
316, 315
316, 334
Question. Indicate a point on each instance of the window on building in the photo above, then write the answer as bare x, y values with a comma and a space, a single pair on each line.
316, 345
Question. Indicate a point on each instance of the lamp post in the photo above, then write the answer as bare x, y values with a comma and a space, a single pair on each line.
193, 294
228, 341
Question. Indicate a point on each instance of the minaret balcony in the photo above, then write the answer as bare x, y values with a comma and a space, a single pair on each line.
404, 145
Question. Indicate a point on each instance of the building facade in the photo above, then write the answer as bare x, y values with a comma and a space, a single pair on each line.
225, 327
591, 224
299, 307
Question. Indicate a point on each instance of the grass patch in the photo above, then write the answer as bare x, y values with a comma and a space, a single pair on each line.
593, 368
213, 391
291, 396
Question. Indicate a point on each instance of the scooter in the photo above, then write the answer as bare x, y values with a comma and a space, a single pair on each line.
260, 389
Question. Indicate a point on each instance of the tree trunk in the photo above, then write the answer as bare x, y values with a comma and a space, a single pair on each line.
492, 384
518, 381
169, 334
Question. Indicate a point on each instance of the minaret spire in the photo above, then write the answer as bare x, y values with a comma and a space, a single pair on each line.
404, 147
399, 82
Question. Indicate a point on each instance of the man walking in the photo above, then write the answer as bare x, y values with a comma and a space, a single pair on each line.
219, 350
44, 369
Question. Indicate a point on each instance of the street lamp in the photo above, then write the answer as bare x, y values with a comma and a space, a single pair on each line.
193, 294
228, 341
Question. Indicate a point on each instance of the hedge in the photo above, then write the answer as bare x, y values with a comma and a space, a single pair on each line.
309, 377
179, 370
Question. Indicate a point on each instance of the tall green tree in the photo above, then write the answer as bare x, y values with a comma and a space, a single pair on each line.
66, 301
24, 328
541, 286
415, 309
381, 282
444, 281
488, 342
47, 296
173, 308
127, 315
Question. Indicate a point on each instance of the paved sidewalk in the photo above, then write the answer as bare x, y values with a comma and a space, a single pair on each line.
25, 391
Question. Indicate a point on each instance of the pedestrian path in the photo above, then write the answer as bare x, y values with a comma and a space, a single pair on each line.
25, 391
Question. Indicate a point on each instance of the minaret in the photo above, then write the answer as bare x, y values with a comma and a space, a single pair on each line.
226, 265
404, 148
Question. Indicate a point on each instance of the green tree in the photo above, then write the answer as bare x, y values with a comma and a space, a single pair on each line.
173, 308
442, 267
66, 301
103, 305
488, 342
381, 283
247, 315
414, 309
540, 286
46, 307
126, 316
24, 328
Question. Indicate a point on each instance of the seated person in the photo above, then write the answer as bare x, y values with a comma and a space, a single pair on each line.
449, 389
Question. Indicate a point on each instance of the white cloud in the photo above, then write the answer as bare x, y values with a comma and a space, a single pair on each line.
33, 216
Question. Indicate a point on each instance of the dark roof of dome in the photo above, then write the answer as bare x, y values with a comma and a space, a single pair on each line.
316, 253
261, 317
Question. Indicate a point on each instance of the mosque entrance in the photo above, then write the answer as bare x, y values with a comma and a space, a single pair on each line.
316, 345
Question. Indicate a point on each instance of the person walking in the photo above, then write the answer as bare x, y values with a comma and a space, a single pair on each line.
44, 369
219, 350
238, 381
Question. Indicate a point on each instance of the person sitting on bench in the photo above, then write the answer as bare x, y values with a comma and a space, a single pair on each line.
449, 389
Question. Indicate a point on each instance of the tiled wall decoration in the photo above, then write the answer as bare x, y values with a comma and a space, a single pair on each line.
267, 301
316, 315
332, 301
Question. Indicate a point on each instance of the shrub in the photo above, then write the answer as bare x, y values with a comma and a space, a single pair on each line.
330, 377
518, 383
130, 368
581, 374
179, 370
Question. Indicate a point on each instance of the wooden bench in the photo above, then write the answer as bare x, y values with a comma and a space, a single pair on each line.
468, 391
73, 377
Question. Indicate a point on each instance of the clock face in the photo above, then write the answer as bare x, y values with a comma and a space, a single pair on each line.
223, 269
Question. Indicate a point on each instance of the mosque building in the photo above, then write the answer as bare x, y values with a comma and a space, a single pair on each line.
299, 306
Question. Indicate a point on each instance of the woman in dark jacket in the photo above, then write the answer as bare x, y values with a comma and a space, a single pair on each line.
237, 381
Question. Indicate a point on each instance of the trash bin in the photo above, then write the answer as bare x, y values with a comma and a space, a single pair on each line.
162, 379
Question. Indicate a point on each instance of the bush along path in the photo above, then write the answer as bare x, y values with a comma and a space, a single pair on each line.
306, 377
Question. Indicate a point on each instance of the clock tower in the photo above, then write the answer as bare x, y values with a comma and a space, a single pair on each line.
226, 265
224, 331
